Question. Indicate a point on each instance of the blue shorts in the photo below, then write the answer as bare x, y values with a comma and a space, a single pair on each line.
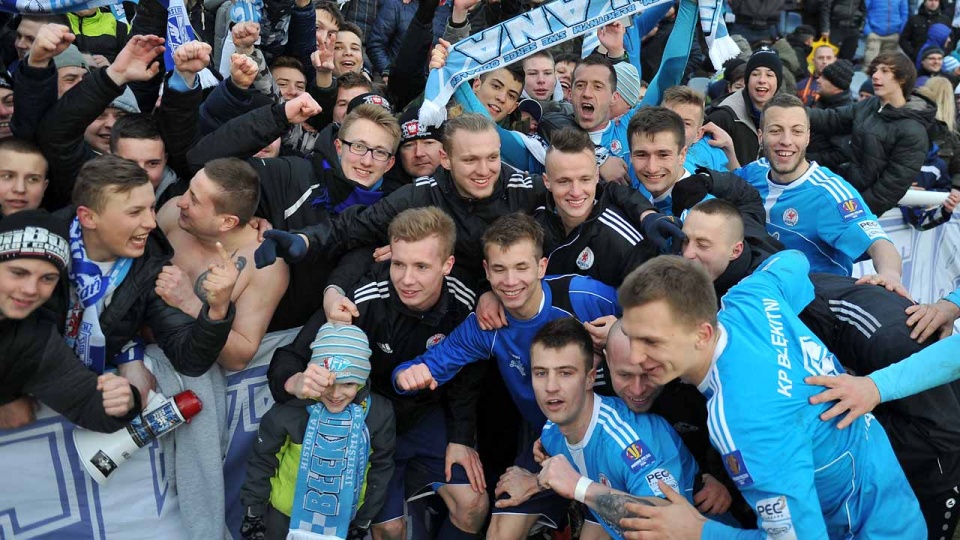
550, 508
420, 462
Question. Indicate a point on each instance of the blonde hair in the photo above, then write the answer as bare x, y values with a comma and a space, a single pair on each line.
940, 91
415, 224
376, 114
683, 95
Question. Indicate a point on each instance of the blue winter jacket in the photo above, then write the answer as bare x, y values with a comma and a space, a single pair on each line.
393, 20
886, 17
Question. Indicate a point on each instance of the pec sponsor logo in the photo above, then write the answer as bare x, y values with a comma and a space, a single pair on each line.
873, 229
774, 514
435, 340
637, 455
654, 477
850, 210
737, 469
791, 217
585, 259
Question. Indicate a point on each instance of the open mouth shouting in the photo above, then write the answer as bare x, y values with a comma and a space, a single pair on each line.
494, 109
553, 405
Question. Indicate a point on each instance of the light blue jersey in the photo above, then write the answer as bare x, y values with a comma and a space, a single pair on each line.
701, 154
819, 214
802, 476
626, 451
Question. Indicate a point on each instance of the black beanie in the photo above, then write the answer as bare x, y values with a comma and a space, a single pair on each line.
5, 80
768, 58
35, 234
840, 73
412, 129
370, 97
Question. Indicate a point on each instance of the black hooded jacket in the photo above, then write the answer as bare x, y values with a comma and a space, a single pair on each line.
888, 145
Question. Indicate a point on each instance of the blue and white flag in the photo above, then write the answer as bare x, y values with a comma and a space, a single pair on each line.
518, 38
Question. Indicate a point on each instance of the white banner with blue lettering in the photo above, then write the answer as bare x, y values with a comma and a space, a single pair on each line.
45, 492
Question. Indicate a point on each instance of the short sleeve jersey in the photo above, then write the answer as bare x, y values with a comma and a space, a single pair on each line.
626, 451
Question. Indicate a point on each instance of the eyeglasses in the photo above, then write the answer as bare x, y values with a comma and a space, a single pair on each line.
359, 149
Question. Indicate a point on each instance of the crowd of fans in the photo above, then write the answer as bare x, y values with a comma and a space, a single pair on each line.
273, 174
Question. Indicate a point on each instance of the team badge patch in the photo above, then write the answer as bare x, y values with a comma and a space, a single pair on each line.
637, 455
791, 217
615, 146
850, 209
435, 340
585, 259
737, 469
604, 480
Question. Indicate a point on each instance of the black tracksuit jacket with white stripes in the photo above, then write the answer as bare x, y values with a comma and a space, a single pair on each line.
865, 328
398, 334
607, 246
515, 191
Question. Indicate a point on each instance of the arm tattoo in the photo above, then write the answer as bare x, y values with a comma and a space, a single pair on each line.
198, 289
610, 507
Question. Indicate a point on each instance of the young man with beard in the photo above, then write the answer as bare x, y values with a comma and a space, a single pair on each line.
407, 306
34, 254
211, 217
739, 113
516, 269
298, 192
603, 454
804, 477
868, 328
810, 208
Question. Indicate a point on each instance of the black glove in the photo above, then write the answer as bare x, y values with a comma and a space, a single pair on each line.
253, 528
275, 242
690, 191
661, 229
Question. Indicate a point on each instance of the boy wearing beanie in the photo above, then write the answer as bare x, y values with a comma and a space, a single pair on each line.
739, 113
319, 469
36, 361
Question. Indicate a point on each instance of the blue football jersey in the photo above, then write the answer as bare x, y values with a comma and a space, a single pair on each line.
510, 345
803, 477
819, 214
627, 451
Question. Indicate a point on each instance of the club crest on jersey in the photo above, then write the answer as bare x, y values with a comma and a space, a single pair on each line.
435, 340
585, 259
615, 146
604, 480
791, 217
637, 455
850, 209
737, 469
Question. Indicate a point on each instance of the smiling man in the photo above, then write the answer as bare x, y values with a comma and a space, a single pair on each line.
515, 267
348, 50
739, 113
810, 480
810, 208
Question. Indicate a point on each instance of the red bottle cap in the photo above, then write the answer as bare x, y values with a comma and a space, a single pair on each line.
188, 403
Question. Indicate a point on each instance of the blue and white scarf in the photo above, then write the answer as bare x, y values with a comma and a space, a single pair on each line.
88, 290
179, 30
333, 463
720, 45
518, 38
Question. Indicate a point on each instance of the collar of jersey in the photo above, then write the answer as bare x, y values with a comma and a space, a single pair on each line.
432, 316
594, 416
706, 383
796, 183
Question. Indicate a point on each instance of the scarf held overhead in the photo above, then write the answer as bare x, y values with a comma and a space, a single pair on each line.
518, 38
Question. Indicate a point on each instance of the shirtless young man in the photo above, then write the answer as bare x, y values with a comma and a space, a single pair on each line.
218, 208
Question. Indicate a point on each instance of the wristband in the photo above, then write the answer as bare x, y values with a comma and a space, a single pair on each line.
335, 288
580, 493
